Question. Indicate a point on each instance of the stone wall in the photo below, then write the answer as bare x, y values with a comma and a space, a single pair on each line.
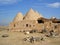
27, 25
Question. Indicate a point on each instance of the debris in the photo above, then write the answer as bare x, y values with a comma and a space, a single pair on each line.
33, 31
33, 39
5, 35
26, 32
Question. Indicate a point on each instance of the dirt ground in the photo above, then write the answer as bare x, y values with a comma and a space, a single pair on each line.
16, 38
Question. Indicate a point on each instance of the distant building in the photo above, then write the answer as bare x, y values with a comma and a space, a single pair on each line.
33, 21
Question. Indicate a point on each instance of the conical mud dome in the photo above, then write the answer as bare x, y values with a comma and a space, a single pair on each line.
18, 17
32, 15
38, 15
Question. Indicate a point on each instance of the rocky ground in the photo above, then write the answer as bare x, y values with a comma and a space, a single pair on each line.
16, 38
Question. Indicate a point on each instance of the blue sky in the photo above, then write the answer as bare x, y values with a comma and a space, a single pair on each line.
9, 8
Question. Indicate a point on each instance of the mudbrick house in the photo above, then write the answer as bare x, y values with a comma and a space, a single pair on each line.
34, 21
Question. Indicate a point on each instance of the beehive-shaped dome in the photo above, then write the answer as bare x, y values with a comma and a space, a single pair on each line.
18, 17
32, 15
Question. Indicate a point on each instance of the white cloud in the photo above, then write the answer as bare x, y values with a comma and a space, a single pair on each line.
8, 1
54, 5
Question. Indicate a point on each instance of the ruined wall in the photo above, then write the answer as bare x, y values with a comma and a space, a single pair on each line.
27, 25
48, 25
56, 27
23, 25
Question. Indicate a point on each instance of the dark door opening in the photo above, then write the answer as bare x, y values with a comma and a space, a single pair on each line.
40, 21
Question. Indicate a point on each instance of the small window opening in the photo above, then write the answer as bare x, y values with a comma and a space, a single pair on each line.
29, 25
14, 25
55, 26
33, 25
40, 21
26, 25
